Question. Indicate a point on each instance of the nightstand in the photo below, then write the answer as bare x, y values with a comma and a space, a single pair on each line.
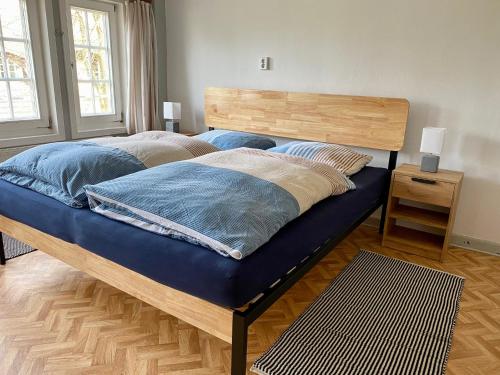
421, 210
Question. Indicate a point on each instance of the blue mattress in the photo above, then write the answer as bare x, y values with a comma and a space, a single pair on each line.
191, 268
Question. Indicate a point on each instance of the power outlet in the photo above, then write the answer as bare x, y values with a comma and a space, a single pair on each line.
264, 63
476, 244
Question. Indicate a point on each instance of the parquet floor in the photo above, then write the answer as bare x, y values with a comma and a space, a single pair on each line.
56, 320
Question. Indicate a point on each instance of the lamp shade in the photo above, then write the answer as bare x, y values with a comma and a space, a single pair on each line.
432, 140
171, 111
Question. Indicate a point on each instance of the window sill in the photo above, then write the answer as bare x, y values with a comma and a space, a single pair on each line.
92, 133
28, 140
47, 136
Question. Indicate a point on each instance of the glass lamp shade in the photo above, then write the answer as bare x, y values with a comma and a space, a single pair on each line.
432, 140
171, 111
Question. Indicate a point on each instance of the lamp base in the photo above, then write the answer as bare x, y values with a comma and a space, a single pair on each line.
172, 126
430, 163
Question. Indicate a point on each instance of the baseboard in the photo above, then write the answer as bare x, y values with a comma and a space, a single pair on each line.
465, 242
472, 243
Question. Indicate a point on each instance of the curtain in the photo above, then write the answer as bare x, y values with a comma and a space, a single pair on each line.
142, 80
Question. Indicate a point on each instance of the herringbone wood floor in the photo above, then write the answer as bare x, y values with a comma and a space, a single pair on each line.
56, 320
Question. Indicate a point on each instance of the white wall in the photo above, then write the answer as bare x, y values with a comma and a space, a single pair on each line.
443, 55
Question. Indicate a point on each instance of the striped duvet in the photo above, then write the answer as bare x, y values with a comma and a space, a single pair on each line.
230, 201
61, 170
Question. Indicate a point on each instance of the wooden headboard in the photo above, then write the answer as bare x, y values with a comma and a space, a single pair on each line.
378, 123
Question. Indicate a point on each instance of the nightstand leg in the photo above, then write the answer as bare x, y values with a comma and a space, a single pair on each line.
393, 158
382, 218
2, 250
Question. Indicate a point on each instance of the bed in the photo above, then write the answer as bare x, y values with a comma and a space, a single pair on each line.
220, 295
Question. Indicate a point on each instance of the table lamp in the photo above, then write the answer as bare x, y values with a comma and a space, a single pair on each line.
172, 113
432, 146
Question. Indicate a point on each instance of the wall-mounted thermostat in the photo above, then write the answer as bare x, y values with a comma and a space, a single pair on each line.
264, 63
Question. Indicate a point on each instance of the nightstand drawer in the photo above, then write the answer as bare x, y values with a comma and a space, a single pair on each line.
438, 193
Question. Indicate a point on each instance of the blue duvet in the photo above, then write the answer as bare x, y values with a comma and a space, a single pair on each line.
230, 201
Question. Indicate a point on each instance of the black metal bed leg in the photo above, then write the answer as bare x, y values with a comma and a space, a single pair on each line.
2, 250
239, 345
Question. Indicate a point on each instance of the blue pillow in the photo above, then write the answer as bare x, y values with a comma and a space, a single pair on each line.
282, 149
228, 140
342, 158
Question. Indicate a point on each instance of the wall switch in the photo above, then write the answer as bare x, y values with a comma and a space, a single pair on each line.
264, 63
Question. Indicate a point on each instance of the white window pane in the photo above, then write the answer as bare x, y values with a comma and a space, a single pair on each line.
4, 102
2, 66
93, 61
97, 29
82, 63
23, 99
100, 65
11, 19
79, 26
86, 99
102, 95
85, 89
18, 92
103, 105
86, 106
17, 60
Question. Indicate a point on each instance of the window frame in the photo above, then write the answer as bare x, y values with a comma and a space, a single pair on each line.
19, 127
85, 126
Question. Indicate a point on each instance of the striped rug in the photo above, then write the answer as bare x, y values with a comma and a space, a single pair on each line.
14, 248
379, 316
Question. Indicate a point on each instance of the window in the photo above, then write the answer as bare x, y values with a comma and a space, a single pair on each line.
95, 64
20, 82
93, 61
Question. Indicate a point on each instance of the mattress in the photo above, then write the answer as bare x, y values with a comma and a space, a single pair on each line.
190, 268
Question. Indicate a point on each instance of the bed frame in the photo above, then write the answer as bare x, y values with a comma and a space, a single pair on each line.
370, 122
